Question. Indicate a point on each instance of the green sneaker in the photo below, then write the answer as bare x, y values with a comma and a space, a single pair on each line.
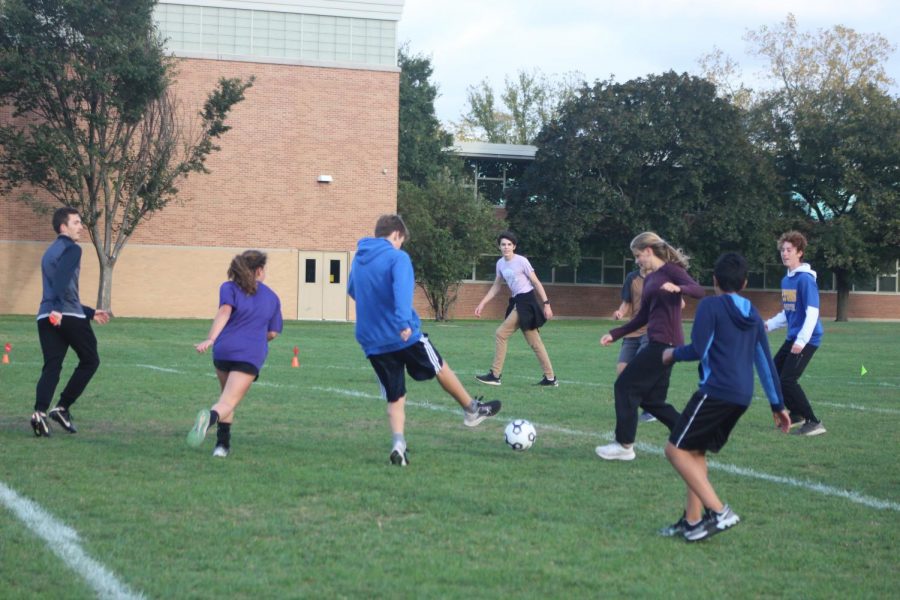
198, 432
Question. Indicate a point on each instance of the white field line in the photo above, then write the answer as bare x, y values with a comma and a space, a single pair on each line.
811, 486
64, 542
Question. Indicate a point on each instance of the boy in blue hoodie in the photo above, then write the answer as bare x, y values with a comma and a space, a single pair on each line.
728, 337
382, 283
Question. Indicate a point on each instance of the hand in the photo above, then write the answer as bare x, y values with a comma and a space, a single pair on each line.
606, 340
102, 316
782, 420
617, 315
203, 346
405, 333
478, 310
548, 312
668, 356
55, 318
797, 348
671, 287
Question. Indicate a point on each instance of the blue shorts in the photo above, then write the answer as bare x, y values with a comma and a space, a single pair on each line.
421, 361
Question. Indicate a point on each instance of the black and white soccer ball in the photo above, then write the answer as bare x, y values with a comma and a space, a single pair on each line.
520, 434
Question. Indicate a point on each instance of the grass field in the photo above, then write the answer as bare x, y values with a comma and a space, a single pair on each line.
306, 506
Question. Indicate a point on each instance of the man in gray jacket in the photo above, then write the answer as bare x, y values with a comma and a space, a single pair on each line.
64, 322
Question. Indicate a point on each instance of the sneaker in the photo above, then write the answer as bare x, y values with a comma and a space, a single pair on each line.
198, 432
797, 421
615, 451
483, 410
548, 382
711, 524
221, 451
399, 456
64, 418
810, 428
676, 528
646, 417
39, 424
489, 379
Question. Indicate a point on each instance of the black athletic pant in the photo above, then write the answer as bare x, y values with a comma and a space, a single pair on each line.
644, 383
790, 368
55, 342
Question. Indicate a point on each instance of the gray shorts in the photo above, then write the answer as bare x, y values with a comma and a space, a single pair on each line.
631, 346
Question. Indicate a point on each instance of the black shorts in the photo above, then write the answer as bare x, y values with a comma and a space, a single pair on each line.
236, 365
705, 423
421, 361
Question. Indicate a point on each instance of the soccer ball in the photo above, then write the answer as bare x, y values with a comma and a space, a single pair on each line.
520, 434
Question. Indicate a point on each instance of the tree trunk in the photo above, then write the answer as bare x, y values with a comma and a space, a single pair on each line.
843, 293
104, 289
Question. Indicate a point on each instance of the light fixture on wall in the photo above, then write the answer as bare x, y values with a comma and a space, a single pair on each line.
324, 179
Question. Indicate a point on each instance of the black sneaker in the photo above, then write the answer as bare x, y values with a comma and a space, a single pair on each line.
676, 528
483, 410
64, 418
39, 424
399, 456
711, 524
548, 382
489, 379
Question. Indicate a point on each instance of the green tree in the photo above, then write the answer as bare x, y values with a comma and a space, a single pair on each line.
661, 153
90, 118
530, 100
832, 129
448, 230
422, 141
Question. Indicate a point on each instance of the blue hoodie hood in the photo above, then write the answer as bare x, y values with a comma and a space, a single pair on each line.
382, 282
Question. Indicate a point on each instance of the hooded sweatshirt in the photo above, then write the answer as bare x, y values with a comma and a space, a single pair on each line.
728, 338
800, 299
382, 283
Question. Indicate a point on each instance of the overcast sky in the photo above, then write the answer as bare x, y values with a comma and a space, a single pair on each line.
470, 40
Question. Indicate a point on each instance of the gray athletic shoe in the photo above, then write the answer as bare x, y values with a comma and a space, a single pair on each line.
483, 410
676, 528
646, 417
197, 433
810, 428
711, 524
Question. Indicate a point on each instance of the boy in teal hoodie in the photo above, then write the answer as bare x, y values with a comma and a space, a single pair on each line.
382, 283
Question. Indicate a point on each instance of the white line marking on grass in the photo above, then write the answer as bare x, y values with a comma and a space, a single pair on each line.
63, 541
163, 369
886, 411
811, 486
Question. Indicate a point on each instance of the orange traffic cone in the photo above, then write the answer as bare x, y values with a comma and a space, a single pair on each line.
295, 362
6, 350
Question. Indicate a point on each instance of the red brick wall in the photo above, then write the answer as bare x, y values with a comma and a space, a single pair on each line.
296, 123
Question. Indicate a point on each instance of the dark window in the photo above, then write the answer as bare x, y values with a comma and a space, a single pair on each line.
310, 270
486, 268
755, 280
564, 274
887, 284
334, 275
590, 271
614, 275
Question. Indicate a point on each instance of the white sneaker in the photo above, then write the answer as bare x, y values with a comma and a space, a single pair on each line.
615, 451
399, 457
220, 452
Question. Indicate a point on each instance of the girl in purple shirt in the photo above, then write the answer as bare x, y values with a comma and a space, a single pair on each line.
249, 317
645, 381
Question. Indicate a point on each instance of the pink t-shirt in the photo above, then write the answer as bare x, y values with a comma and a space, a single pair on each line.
515, 272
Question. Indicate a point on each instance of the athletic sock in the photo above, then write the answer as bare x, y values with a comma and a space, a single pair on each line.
472, 408
398, 438
223, 434
213, 419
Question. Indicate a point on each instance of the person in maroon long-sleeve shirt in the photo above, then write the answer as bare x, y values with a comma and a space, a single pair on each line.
645, 381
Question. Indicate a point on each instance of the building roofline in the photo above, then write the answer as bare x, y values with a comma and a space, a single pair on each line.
496, 151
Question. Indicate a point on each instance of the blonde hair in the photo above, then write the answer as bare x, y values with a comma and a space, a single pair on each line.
243, 269
661, 248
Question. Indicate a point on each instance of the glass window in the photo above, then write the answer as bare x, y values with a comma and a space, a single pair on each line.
614, 275
543, 268
310, 270
564, 274
864, 285
590, 271
334, 271
887, 284
486, 268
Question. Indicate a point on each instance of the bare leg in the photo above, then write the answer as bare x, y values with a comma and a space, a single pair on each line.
451, 384
691, 465
233, 391
397, 415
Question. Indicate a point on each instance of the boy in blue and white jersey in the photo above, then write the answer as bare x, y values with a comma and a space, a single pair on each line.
728, 338
800, 299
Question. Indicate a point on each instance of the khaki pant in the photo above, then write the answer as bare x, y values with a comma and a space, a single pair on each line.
532, 336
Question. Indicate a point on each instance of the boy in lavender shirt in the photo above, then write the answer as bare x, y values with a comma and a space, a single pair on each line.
528, 309
249, 317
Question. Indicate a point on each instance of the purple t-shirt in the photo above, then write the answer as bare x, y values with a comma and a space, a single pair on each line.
252, 318
516, 274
